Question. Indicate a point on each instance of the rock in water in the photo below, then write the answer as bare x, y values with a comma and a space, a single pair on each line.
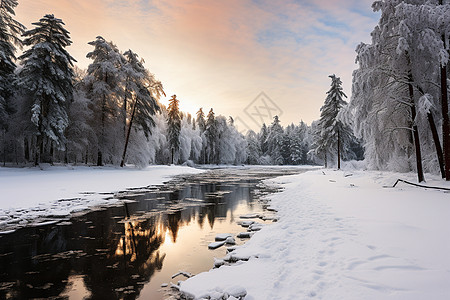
230, 241
216, 245
223, 236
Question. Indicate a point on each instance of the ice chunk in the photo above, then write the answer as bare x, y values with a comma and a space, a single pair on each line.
230, 241
231, 249
256, 227
245, 235
250, 216
185, 274
246, 223
270, 208
218, 262
216, 245
223, 236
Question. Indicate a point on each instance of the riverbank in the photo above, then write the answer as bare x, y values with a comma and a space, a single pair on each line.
31, 195
343, 235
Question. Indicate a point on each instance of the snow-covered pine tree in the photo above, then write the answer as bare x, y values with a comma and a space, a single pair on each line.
262, 138
421, 31
202, 127
142, 90
286, 144
10, 31
158, 142
275, 141
80, 135
174, 125
104, 87
211, 137
46, 78
253, 148
201, 120
402, 62
229, 143
333, 135
296, 146
190, 141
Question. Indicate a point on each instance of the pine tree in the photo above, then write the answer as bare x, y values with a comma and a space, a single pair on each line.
46, 78
104, 88
333, 133
174, 123
211, 137
402, 62
296, 147
10, 30
201, 120
143, 90
253, 148
263, 139
275, 141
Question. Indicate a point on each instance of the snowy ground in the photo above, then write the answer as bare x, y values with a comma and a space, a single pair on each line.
342, 235
31, 195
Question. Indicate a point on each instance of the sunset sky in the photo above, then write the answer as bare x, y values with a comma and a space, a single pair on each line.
223, 54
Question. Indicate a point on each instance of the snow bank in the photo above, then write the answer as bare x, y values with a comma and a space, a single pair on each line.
342, 235
28, 194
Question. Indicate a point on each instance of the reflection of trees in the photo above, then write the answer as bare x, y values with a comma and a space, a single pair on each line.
41, 259
174, 220
135, 259
24, 259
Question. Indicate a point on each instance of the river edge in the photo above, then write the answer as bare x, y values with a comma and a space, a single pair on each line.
32, 197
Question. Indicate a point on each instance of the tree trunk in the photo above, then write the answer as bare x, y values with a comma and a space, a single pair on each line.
122, 163
325, 159
26, 149
4, 147
420, 176
445, 117
339, 149
125, 102
437, 143
99, 158
102, 137
38, 151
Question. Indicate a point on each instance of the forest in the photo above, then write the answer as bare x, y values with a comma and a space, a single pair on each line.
396, 119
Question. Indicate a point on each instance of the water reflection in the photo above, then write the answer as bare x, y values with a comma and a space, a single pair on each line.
126, 251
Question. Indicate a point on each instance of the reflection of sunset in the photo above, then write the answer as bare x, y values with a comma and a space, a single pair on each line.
135, 234
167, 238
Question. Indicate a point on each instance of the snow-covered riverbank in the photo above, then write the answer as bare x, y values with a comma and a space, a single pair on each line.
29, 195
342, 235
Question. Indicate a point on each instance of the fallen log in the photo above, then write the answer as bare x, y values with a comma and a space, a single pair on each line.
420, 185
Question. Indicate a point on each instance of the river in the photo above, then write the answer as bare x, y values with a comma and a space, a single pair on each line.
132, 250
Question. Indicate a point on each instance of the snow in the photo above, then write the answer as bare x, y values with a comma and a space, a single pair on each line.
215, 245
28, 194
343, 235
